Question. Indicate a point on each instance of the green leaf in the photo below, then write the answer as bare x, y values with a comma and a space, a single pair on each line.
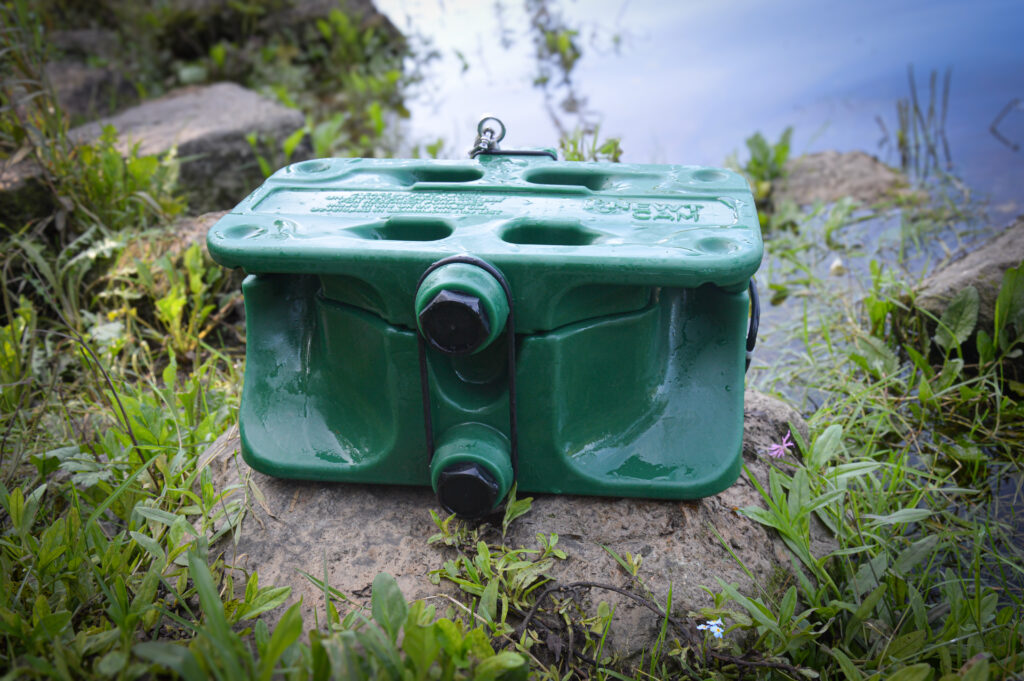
904, 515
977, 671
869, 573
51, 625
291, 142
514, 509
375, 640
757, 610
266, 599
917, 672
915, 553
152, 546
919, 360
826, 447
488, 608
799, 497
419, 642
863, 612
388, 605
497, 667
907, 645
951, 369
213, 608
173, 656
286, 633
878, 358
760, 515
157, 515
850, 670
111, 663
1009, 308
788, 605
924, 390
959, 320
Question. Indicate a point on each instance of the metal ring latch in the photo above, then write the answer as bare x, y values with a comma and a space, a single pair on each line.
489, 132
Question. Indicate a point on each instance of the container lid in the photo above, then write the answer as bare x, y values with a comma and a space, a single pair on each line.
546, 224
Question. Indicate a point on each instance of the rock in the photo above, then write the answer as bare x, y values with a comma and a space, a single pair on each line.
88, 91
355, 531
983, 269
208, 124
828, 176
187, 18
86, 42
173, 240
192, 230
298, 12
23, 193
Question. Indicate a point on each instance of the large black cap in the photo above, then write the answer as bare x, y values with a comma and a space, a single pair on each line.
455, 323
467, 489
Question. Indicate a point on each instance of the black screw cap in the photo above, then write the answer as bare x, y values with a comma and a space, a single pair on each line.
467, 489
455, 323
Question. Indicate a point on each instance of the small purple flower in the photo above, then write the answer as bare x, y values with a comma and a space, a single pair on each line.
714, 626
777, 451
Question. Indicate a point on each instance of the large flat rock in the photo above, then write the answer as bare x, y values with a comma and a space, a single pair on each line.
355, 531
828, 176
982, 268
208, 124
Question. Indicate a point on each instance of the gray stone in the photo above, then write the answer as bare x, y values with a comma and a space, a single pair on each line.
208, 124
983, 269
23, 192
88, 91
86, 42
355, 531
174, 240
828, 176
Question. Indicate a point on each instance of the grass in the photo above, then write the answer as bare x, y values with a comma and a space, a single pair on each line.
117, 371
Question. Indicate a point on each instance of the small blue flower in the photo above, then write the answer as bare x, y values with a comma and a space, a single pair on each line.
714, 626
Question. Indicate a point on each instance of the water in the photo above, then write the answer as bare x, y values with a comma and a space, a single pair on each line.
687, 82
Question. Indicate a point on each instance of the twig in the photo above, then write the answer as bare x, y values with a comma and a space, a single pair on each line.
994, 127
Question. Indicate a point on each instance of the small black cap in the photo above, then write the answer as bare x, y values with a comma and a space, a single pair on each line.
467, 489
455, 323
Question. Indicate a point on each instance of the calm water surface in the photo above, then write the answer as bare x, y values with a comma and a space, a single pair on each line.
687, 82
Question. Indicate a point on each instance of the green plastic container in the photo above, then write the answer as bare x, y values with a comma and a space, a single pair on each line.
626, 310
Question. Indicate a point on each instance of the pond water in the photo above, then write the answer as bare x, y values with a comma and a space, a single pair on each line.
686, 82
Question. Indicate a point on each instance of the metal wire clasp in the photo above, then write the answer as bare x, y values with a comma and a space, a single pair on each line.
489, 132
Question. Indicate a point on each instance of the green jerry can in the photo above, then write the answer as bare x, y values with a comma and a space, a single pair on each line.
577, 328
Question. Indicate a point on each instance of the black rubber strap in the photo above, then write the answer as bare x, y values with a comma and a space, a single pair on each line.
755, 321
514, 152
510, 337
